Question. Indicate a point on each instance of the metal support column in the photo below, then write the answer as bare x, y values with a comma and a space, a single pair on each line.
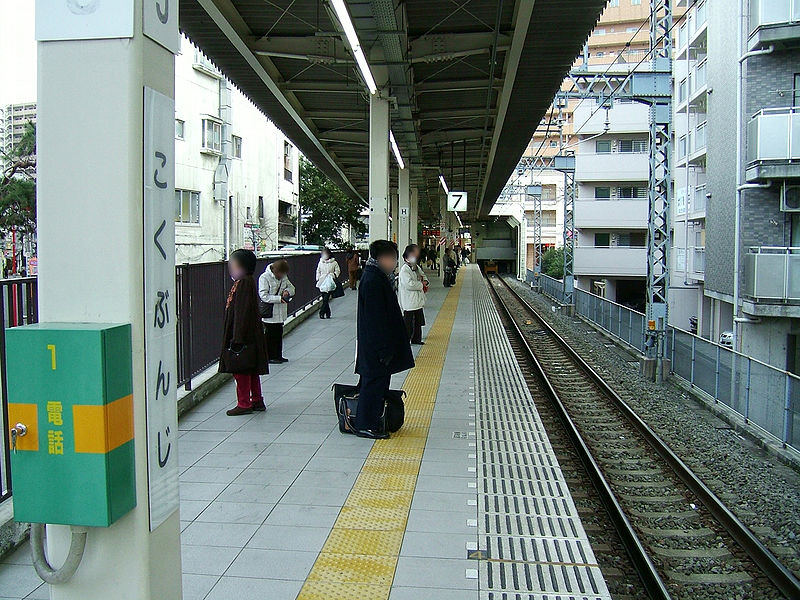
659, 190
414, 218
566, 164
378, 168
404, 209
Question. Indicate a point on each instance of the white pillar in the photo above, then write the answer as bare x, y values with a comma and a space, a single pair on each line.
91, 241
413, 220
404, 209
378, 168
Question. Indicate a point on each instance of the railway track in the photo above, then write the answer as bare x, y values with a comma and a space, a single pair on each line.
683, 542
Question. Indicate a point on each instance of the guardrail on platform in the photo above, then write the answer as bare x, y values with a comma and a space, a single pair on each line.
201, 291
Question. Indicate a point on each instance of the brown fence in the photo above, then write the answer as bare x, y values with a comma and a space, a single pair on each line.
18, 306
202, 290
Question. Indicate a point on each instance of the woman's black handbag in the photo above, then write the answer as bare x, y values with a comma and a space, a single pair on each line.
265, 309
339, 291
345, 399
242, 359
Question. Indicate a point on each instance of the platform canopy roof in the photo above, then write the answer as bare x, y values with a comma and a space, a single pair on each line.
469, 80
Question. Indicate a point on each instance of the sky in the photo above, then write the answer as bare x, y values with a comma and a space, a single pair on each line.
17, 52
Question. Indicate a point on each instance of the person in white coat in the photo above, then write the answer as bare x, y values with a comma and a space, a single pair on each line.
275, 291
328, 267
411, 288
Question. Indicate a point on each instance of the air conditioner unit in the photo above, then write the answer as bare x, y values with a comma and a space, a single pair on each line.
790, 198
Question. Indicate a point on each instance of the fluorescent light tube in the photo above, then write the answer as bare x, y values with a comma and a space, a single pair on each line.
396, 151
343, 15
444, 184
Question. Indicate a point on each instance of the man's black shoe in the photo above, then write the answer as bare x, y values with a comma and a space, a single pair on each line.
283, 360
275, 361
418, 343
372, 434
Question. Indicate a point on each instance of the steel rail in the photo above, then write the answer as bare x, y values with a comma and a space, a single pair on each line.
653, 584
764, 559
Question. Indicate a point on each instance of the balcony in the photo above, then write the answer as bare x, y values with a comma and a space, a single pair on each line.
612, 166
774, 22
611, 213
698, 201
696, 144
697, 262
773, 144
623, 118
612, 261
772, 277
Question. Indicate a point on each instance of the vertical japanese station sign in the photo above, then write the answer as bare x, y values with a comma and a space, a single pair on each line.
159, 305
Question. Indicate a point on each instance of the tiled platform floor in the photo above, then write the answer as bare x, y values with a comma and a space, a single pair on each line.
260, 493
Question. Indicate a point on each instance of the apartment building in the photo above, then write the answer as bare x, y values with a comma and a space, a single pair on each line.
236, 175
753, 288
689, 307
611, 176
13, 118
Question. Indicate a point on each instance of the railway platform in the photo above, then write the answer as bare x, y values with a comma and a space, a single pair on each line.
467, 501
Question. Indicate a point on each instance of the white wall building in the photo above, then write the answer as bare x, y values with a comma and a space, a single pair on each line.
236, 175
611, 176
13, 118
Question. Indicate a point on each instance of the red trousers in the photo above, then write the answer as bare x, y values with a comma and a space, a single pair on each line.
248, 389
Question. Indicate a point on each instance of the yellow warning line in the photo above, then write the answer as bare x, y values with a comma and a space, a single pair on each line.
360, 555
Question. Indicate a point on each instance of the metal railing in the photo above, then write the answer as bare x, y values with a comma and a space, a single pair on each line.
201, 291
774, 134
773, 12
772, 273
18, 306
759, 393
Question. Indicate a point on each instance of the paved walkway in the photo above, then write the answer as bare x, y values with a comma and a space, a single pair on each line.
260, 494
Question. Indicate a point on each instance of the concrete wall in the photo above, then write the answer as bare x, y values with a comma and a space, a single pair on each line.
259, 172
721, 171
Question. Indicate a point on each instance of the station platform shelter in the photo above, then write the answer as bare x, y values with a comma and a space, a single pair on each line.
281, 505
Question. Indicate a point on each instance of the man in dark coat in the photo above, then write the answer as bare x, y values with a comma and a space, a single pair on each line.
383, 347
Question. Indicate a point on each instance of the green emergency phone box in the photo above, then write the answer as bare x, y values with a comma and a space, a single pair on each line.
70, 409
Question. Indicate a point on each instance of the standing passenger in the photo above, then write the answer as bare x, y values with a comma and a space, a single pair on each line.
382, 343
275, 291
244, 352
328, 272
353, 265
411, 292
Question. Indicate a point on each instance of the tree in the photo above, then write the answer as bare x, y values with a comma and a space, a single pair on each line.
553, 262
326, 208
18, 184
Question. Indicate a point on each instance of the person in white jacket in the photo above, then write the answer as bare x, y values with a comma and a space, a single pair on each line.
411, 288
328, 266
275, 291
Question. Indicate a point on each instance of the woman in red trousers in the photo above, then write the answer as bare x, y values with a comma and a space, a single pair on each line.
244, 350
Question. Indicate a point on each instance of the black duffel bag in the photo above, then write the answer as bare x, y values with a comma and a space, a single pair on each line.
345, 398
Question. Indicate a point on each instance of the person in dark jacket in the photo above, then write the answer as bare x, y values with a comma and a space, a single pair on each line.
383, 346
449, 268
244, 348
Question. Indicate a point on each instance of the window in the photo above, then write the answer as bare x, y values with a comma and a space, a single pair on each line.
249, 215
636, 2
631, 192
602, 193
614, 3
637, 146
602, 146
179, 127
602, 240
553, 144
599, 31
237, 146
212, 135
796, 89
287, 161
187, 206
260, 206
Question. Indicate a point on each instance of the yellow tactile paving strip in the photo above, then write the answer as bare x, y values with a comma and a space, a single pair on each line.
360, 555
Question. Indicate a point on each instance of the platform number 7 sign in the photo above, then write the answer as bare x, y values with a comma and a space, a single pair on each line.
457, 201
